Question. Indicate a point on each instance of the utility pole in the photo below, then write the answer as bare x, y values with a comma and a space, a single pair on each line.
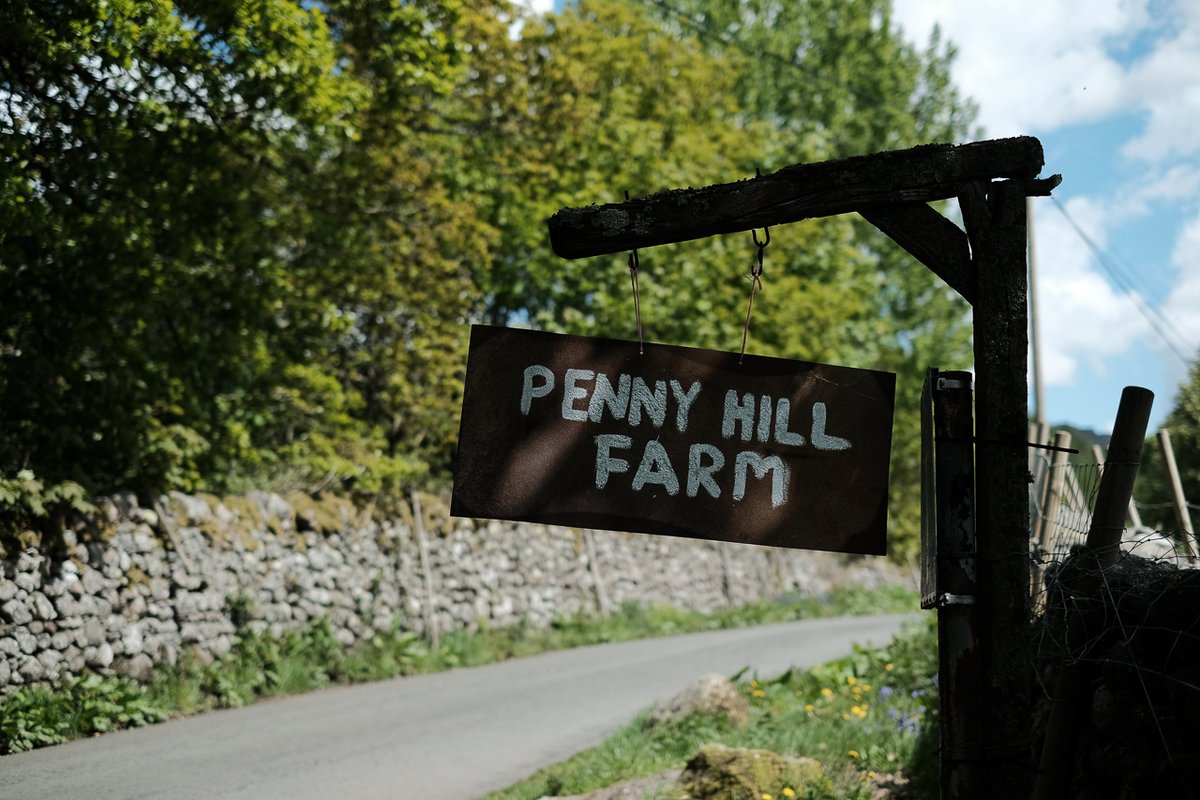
1035, 354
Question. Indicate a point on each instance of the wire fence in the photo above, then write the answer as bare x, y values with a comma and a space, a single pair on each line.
1061, 498
1128, 632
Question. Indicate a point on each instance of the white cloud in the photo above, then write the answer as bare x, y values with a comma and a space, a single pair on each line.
1032, 65
1173, 183
1039, 65
1058, 67
1182, 307
1082, 319
1165, 84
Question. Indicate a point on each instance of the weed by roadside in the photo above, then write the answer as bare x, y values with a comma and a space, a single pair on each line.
75, 707
263, 665
868, 718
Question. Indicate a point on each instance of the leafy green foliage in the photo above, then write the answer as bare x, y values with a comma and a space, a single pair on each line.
241, 242
1153, 489
181, 304
869, 713
261, 664
835, 79
636, 96
78, 707
28, 506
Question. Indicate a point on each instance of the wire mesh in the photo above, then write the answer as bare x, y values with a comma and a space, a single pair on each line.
1129, 629
1059, 528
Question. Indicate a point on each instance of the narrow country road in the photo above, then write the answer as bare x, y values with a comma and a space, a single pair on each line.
434, 737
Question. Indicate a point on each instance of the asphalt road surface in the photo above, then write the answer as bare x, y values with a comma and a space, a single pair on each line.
450, 735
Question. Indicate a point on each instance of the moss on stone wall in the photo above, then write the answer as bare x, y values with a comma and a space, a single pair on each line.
324, 514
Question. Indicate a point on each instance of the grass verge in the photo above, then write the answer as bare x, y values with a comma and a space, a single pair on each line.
261, 665
868, 718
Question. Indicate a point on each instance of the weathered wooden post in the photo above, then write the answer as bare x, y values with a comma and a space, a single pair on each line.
948, 539
429, 607
1047, 523
1135, 518
994, 215
1183, 519
1120, 472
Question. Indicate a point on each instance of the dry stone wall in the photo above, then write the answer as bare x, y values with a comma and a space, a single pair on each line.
139, 586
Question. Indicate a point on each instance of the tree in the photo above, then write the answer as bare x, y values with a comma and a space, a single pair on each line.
643, 95
195, 261
241, 241
837, 79
388, 244
1153, 490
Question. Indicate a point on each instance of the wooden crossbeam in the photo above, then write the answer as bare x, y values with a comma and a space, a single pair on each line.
801, 191
931, 238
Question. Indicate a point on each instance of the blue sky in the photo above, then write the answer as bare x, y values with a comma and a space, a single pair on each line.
1112, 89
1113, 94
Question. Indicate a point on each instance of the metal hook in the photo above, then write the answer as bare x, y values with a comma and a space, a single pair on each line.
755, 283
634, 263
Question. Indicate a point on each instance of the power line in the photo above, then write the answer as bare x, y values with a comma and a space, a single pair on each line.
1156, 319
1129, 274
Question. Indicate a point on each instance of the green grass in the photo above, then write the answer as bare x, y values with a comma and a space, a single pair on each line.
261, 665
864, 716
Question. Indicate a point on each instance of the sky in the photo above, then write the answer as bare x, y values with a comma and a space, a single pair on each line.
1113, 93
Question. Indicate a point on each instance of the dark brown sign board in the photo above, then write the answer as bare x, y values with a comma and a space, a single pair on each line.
590, 433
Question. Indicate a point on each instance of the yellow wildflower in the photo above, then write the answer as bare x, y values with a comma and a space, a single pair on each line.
759, 693
827, 692
889, 667
788, 792
851, 680
809, 708
853, 753
766, 796
859, 711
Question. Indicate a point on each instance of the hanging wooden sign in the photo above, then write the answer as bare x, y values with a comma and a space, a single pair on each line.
584, 432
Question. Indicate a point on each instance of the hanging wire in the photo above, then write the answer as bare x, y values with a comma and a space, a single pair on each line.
755, 283
637, 299
633, 262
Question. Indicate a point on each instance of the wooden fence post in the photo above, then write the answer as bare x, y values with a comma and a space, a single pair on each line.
1135, 519
960, 688
1047, 521
431, 626
1182, 518
1120, 471
602, 603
